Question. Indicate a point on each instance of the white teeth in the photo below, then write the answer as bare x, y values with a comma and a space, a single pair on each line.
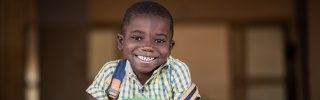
145, 58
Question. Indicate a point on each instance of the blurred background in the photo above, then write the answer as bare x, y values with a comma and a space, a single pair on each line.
235, 49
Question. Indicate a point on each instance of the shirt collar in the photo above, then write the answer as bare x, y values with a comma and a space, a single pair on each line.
167, 63
128, 69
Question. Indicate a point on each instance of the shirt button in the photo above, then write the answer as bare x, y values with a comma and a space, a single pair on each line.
142, 89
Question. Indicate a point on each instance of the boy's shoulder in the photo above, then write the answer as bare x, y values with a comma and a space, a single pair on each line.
109, 67
174, 61
177, 65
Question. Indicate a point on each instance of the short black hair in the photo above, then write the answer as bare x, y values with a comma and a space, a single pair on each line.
147, 8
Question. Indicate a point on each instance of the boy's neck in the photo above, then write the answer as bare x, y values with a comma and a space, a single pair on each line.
143, 78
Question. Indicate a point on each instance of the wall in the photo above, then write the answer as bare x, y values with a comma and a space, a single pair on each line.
104, 12
62, 32
314, 48
204, 48
14, 18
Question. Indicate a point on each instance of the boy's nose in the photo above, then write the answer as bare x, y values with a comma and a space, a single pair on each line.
147, 48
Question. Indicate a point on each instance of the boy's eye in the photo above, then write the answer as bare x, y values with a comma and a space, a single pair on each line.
159, 41
138, 38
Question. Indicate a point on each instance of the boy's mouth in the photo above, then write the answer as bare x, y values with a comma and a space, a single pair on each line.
145, 58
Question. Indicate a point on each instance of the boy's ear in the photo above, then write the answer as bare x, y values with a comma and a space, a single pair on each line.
172, 43
120, 41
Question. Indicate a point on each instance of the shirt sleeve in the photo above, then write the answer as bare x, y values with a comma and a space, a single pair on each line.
180, 79
101, 82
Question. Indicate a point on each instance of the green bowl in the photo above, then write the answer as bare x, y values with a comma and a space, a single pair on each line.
141, 99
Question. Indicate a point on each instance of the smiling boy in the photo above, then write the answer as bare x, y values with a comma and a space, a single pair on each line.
150, 71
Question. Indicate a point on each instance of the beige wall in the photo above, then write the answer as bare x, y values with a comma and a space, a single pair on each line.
102, 48
265, 62
204, 48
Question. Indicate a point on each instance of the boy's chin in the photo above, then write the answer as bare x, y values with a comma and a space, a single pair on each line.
149, 72
145, 69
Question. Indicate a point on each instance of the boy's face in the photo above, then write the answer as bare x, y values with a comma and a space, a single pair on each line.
146, 42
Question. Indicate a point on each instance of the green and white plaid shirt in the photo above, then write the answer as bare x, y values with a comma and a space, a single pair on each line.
168, 82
